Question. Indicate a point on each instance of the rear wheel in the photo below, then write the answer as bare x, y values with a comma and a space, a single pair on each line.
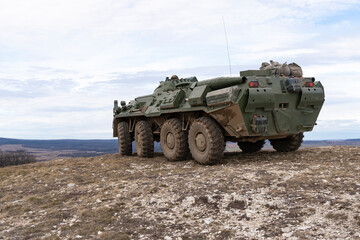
173, 140
249, 147
144, 140
124, 139
206, 141
288, 144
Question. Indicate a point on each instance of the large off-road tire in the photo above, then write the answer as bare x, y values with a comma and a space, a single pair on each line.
173, 140
124, 139
144, 140
288, 144
206, 141
249, 147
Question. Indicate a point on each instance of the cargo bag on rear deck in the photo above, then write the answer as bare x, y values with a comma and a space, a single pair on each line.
296, 70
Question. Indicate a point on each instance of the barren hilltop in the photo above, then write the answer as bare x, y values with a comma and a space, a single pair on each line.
313, 193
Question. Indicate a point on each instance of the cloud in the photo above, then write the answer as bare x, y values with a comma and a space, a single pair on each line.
335, 129
62, 63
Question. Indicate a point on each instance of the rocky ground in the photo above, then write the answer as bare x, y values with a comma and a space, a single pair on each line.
313, 193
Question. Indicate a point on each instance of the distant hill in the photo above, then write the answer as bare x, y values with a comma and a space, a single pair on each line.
348, 142
53, 149
105, 146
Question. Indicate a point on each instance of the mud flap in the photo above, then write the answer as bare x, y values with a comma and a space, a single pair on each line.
232, 120
282, 121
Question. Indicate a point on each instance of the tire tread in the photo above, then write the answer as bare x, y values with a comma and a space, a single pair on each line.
216, 138
181, 140
289, 144
124, 139
249, 147
144, 140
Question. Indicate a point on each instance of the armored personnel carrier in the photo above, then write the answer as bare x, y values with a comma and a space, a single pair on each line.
199, 117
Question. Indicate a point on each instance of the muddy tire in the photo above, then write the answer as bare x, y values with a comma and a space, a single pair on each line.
288, 144
173, 140
124, 139
249, 147
206, 141
144, 140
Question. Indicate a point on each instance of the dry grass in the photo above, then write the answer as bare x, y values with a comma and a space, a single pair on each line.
312, 193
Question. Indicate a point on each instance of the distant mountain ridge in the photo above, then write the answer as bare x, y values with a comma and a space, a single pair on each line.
347, 142
62, 148
50, 149
106, 146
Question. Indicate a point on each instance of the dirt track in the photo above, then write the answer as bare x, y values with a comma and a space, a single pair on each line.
313, 193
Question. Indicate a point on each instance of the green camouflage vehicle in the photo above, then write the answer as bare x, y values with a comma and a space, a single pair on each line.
199, 117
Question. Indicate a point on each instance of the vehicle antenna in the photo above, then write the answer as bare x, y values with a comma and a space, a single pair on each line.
227, 45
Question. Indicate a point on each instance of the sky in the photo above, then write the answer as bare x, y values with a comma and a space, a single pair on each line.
64, 62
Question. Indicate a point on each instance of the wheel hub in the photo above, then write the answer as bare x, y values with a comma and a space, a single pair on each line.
200, 141
170, 140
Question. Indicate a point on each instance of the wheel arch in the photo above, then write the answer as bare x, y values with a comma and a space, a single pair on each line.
116, 121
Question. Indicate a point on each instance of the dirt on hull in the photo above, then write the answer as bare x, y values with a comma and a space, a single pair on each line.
313, 193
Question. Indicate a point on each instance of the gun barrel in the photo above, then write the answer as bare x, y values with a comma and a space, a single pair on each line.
221, 82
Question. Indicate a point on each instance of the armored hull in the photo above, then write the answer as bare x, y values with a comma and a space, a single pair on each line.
187, 115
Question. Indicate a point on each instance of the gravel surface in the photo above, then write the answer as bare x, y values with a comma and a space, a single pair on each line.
313, 193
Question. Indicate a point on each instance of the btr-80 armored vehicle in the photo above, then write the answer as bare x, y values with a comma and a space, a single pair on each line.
187, 115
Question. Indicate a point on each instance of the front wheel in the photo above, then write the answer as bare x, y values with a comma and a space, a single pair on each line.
206, 141
288, 144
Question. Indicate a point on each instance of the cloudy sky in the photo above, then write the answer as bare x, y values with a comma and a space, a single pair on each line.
63, 62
